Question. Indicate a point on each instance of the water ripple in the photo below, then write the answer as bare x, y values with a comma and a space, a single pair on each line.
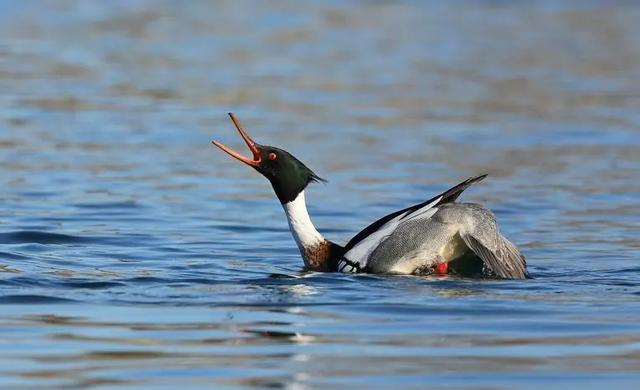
133, 254
32, 299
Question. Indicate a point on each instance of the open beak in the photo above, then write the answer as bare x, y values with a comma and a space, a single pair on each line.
252, 146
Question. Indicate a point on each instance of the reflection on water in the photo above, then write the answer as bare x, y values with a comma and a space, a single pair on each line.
134, 254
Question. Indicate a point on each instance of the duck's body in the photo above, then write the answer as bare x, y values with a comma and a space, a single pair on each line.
435, 236
464, 236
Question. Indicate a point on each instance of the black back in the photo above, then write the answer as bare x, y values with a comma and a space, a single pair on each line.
448, 196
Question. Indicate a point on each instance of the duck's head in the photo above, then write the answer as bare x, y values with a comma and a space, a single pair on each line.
288, 175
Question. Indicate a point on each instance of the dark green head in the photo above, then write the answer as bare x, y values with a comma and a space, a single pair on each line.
288, 175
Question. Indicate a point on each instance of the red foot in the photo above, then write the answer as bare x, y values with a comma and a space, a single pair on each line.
442, 269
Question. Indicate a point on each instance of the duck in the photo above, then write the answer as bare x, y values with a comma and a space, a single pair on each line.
438, 236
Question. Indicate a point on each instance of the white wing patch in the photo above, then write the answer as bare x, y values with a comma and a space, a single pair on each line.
356, 258
345, 265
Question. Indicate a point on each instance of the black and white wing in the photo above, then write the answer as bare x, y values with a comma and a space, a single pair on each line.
360, 247
355, 259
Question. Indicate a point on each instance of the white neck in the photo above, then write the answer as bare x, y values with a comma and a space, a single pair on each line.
300, 223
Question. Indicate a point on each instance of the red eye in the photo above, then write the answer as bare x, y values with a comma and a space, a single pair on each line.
272, 156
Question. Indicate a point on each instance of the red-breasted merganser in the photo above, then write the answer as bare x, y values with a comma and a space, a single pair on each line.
437, 236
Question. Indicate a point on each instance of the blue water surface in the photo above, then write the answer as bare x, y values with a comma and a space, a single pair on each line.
134, 254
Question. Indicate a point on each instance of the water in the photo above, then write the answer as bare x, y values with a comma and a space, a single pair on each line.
134, 254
